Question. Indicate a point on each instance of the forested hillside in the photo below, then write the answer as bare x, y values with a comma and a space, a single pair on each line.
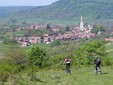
72, 9
63, 10
12, 9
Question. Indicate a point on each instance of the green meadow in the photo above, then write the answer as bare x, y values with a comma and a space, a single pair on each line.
80, 75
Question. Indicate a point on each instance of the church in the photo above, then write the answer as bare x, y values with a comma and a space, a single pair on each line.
82, 28
81, 24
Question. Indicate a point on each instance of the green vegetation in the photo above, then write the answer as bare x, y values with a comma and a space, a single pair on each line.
85, 54
34, 65
82, 76
97, 29
71, 9
36, 58
42, 64
61, 11
109, 48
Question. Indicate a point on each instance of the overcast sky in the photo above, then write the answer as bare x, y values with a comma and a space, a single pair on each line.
25, 2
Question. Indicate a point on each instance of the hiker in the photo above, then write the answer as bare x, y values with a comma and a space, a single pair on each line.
67, 61
97, 63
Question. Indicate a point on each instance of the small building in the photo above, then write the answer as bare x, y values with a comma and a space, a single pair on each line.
55, 29
35, 40
25, 43
109, 39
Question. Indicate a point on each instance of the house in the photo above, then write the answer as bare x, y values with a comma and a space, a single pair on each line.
35, 40
46, 35
55, 29
37, 26
109, 39
18, 29
66, 36
49, 39
25, 43
90, 35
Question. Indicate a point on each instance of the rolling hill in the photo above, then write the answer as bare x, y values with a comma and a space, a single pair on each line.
69, 10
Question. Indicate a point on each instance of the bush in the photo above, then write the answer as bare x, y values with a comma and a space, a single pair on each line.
6, 70
57, 62
55, 43
107, 61
84, 55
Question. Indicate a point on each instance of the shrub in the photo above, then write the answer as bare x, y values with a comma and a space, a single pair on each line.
36, 58
85, 53
107, 61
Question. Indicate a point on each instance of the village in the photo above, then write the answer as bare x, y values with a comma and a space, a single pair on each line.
72, 33
75, 32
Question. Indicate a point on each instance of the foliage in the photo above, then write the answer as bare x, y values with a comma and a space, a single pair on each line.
17, 57
7, 70
48, 26
67, 28
36, 58
60, 10
98, 28
82, 76
70, 9
107, 61
85, 53
9, 41
55, 43
57, 62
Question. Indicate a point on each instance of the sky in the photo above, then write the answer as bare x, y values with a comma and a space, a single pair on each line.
26, 2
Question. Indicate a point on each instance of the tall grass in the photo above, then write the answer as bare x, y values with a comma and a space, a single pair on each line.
81, 76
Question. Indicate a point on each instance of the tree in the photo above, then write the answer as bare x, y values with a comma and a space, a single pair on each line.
36, 58
56, 43
98, 28
48, 26
67, 28
85, 53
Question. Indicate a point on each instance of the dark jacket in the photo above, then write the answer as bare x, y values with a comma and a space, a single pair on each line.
97, 61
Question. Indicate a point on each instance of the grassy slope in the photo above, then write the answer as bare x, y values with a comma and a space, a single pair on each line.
109, 48
82, 76
3, 48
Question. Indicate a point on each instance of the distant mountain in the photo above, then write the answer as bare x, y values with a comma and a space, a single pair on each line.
8, 11
69, 9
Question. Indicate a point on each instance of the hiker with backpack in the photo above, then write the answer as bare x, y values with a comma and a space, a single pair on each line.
97, 63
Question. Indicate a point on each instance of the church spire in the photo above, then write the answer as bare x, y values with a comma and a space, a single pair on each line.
81, 24
81, 19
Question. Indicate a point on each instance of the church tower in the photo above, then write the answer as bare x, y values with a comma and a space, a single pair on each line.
81, 24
